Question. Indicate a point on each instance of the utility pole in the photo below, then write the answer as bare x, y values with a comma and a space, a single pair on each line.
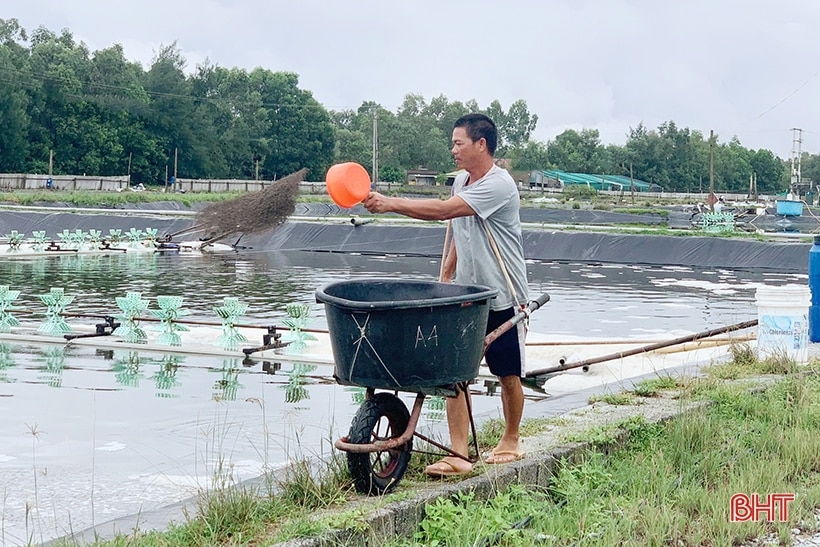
375, 176
129, 168
794, 183
632, 182
175, 167
712, 196
50, 162
753, 186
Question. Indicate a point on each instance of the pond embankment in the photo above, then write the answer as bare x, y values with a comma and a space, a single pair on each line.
384, 235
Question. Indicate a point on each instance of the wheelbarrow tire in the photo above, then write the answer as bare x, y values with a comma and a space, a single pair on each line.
380, 417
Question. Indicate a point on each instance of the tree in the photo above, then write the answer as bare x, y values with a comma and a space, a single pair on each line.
14, 144
102, 114
809, 169
772, 172
392, 174
514, 126
533, 156
172, 119
676, 159
300, 133
519, 125
577, 152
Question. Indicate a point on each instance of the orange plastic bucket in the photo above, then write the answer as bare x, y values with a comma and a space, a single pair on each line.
347, 183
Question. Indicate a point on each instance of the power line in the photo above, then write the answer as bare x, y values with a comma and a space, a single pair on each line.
789, 96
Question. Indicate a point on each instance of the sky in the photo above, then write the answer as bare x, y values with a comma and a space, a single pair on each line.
745, 68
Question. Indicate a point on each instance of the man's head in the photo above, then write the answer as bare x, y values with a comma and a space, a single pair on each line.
474, 142
477, 127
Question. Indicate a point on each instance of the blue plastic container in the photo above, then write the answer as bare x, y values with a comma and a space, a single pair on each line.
789, 207
814, 285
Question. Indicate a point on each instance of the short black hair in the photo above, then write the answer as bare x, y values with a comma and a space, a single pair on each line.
479, 126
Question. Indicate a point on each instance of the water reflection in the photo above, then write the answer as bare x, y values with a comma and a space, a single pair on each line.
54, 358
295, 390
587, 299
127, 369
6, 361
226, 388
165, 378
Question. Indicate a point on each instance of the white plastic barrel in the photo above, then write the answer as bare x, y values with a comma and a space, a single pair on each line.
783, 321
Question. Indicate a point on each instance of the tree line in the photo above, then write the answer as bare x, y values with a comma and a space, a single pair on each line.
74, 111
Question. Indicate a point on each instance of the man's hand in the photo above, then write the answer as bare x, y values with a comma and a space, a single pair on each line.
377, 203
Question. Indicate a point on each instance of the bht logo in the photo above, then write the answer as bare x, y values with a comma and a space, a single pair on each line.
774, 507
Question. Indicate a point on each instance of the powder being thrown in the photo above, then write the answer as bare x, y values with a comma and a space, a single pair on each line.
252, 212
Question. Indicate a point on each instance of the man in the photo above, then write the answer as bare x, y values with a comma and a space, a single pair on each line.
484, 215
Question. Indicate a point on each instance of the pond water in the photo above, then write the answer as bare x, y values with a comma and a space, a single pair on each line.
89, 435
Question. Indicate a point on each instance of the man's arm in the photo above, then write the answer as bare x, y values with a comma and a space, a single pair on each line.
450, 260
422, 209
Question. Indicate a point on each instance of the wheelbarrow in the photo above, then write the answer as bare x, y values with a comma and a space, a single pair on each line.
422, 337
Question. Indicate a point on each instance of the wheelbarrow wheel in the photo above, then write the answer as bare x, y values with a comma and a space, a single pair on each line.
382, 416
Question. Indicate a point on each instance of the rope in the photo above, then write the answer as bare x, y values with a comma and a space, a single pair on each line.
500, 260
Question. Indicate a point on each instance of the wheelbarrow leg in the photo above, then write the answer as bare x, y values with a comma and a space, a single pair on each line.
469, 402
463, 386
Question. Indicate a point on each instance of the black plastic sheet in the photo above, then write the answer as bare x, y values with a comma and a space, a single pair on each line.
339, 235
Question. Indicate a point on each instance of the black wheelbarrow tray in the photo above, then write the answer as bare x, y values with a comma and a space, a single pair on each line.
423, 337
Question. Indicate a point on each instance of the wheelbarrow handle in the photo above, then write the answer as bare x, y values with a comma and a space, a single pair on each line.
538, 302
525, 312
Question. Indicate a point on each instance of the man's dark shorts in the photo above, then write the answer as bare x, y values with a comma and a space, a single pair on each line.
505, 354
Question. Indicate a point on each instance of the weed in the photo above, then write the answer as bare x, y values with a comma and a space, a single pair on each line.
779, 363
743, 355
727, 371
303, 486
462, 520
300, 527
354, 519
608, 434
531, 427
642, 211
615, 399
651, 387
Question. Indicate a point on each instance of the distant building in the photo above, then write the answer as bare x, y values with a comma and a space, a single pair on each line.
421, 177
451, 176
554, 178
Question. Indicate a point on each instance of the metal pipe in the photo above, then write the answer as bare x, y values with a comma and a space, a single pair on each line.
618, 342
514, 320
392, 443
642, 349
180, 321
361, 221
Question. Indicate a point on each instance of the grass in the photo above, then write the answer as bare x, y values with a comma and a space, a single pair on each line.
668, 484
637, 483
87, 198
653, 386
615, 399
280, 511
642, 211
